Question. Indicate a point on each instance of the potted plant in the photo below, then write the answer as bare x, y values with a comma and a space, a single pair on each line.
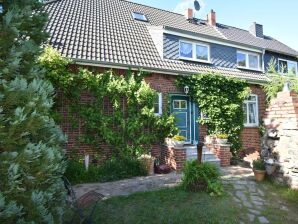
178, 141
259, 169
222, 138
148, 162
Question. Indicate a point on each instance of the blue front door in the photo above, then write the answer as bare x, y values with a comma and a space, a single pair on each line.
186, 113
180, 109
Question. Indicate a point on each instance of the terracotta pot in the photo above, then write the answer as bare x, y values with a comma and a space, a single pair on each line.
259, 175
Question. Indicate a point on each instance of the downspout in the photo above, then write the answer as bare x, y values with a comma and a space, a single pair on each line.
263, 60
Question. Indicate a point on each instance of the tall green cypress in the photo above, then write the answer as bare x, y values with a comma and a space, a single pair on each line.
31, 158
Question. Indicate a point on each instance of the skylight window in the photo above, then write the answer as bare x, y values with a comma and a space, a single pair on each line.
139, 16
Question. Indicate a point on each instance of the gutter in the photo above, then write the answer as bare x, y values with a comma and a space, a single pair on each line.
147, 69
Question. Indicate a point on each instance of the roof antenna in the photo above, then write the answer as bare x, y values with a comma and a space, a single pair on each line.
197, 5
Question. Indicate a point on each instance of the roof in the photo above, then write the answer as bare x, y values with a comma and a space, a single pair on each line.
103, 32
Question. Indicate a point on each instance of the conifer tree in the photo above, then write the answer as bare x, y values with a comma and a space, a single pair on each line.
31, 158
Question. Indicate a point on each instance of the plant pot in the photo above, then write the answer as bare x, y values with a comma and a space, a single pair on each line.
270, 168
178, 144
148, 164
259, 175
162, 169
222, 141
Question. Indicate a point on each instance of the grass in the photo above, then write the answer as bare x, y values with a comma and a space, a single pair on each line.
167, 206
282, 204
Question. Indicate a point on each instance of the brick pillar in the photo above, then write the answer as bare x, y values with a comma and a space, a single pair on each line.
173, 157
223, 152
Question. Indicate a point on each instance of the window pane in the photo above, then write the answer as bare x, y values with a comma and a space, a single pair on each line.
185, 50
176, 104
252, 113
252, 98
139, 16
202, 52
283, 66
241, 59
156, 105
292, 67
253, 61
245, 113
183, 104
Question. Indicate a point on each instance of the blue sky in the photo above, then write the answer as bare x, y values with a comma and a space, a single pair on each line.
279, 17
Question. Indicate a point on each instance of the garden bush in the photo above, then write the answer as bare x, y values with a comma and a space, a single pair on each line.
111, 170
201, 177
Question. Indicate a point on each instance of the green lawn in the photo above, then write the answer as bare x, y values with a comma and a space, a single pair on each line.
177, 206
167, 206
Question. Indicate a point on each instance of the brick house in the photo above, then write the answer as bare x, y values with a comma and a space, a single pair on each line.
121, 35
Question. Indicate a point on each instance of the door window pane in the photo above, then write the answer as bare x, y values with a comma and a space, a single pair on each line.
179, 104
202, 52
241, 59
253, 61
186, 50
183, 104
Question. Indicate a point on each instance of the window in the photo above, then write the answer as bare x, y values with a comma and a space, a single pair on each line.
194, 51
248, 60
139, 16
158, 104
286, 66
251, 111
179, 104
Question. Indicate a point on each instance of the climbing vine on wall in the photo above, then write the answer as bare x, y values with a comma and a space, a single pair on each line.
221, 99
120, 110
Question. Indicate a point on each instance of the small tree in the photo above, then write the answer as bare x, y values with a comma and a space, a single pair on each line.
31, 159
277, 81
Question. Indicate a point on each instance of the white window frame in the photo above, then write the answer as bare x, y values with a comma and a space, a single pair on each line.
247, 112
246, 53
135, 18
159, 105
295, 62
194, 51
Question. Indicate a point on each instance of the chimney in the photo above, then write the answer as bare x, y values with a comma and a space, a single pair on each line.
211, 18
189, 14
256, 30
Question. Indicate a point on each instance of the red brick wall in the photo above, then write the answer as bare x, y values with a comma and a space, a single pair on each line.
165, 84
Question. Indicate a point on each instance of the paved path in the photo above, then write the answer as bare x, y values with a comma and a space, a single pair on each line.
248, 194
129, 186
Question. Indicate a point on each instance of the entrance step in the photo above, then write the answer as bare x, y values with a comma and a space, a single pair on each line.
207, 156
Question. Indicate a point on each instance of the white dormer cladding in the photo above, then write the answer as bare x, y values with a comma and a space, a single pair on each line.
156, 33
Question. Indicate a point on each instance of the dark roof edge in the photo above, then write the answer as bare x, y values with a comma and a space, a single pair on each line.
147, 69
